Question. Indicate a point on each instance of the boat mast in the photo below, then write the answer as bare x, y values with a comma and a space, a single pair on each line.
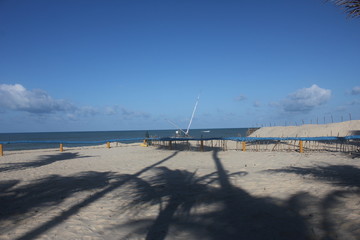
192, 116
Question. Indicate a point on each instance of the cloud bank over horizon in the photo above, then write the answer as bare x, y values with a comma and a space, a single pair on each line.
38, 103
17, 97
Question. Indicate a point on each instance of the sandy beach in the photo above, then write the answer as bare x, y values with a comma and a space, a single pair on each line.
340, 129
179, 120
133, 192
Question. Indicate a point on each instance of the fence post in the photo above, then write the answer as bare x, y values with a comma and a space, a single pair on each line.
1, 150
108, 144
243, 146
170, 145
202, 145
61, 147
301, 148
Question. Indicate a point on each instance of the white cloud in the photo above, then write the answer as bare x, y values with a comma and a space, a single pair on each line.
16, 97
355, 102
42, 106
256, 104
355, 90
111, 110
125, 113
306, 99
128, 114
240, 98
87, 111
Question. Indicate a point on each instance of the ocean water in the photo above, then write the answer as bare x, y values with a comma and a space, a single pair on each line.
103, 136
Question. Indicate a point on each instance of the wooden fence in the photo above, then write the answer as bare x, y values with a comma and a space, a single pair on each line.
318, 144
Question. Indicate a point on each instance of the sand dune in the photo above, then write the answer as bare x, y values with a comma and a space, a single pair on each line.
311, 130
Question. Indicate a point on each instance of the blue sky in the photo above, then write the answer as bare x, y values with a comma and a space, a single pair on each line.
129, 65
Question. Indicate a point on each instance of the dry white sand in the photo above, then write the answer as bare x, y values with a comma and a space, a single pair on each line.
136, 192
311, 130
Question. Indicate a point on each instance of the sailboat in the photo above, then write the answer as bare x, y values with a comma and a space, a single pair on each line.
180, 132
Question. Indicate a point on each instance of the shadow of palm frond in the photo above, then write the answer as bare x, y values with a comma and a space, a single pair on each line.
7, 184
335, 207
354, 154
192, 207
245, 216
342, 175
42, 161
176, 192
47, 192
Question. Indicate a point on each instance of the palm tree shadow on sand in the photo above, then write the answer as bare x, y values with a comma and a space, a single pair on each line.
20, 201
335, 206
208, 207
42, 161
